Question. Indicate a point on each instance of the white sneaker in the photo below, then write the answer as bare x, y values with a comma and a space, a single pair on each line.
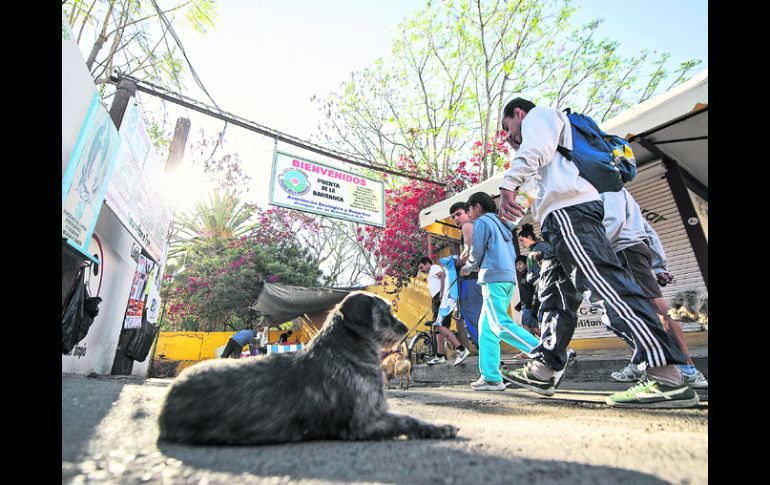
437, 360
482, 385
629, 373
462, 356
696, 380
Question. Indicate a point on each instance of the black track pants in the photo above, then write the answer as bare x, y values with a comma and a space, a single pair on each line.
578, 256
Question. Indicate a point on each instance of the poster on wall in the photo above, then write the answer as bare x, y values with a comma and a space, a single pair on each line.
87, 174
327, 191
144, 268
133, 193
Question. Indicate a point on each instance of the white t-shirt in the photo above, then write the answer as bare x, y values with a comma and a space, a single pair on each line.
434, 281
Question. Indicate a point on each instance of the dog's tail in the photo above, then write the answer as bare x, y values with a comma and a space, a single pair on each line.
403, 350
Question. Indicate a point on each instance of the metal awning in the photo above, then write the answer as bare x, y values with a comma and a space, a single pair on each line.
675, 123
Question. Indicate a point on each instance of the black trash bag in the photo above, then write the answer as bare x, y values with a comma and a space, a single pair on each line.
78, 314
141, 342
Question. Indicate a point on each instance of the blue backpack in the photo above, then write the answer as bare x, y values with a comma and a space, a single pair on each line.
606, 161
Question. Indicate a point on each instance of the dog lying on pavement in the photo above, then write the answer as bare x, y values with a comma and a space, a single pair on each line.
396, 364
330, 389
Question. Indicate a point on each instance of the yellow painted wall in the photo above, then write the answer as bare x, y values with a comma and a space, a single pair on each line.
197, 346
192, 346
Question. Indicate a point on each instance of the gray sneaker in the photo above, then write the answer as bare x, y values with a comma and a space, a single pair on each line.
696, 380
629, 373
483, 385
526, 378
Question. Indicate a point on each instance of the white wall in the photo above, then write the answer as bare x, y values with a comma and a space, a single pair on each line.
96, 352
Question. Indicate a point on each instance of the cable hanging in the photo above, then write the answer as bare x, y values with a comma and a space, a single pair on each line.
163, 93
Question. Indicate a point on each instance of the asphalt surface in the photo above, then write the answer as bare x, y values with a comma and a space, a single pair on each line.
109, 433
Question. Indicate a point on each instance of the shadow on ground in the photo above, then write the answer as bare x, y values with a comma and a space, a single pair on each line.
396, 462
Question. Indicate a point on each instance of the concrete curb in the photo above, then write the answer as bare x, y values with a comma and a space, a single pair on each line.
467, 372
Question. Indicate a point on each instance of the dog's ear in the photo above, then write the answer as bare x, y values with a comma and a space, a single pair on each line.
357, 308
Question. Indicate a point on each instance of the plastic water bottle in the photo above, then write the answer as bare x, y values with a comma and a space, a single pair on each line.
526, 195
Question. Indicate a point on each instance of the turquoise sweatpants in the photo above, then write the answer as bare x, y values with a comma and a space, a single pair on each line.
495, 324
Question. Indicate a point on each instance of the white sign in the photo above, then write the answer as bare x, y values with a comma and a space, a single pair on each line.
319, 189
592, 319
133, 193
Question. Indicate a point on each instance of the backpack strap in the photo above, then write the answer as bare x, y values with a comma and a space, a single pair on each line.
564, 152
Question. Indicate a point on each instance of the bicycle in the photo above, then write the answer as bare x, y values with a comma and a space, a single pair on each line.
423, 346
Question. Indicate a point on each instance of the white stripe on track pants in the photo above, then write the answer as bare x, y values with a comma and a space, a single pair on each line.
577, 257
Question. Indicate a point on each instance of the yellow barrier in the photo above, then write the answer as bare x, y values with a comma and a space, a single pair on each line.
197, 346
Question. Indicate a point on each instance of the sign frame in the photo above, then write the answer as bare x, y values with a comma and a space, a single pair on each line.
73, 165
316, 212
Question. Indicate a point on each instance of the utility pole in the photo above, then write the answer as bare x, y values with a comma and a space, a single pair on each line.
122, 365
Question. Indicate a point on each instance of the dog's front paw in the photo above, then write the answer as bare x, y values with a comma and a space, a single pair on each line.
448, 431
438, 432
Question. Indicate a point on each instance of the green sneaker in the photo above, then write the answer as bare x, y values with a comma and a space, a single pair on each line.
655, 394
524, 377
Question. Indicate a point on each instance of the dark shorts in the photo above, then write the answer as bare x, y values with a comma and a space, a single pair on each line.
447, 320
638, 261
528, 320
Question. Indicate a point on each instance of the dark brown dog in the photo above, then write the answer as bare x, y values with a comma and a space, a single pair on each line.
330, 390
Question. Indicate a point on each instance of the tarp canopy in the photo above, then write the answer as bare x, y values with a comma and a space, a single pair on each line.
283, 303
675, 123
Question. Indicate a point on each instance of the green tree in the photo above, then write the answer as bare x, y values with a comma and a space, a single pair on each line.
223, 278
222, 215
454, 64
136, 36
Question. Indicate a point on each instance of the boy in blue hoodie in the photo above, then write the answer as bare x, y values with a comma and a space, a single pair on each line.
493, 254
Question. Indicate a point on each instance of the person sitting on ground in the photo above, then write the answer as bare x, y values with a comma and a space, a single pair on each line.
236, 343
284, 338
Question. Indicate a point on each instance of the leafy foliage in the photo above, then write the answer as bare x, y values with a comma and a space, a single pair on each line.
398, 247
223, 278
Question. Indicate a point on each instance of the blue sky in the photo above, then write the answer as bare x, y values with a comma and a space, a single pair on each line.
266, 59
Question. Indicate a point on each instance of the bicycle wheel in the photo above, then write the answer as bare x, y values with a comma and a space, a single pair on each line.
420, 349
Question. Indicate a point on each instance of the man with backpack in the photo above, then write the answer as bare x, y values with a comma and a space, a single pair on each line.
567, 152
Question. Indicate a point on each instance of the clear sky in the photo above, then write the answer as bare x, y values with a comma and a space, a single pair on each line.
265, 59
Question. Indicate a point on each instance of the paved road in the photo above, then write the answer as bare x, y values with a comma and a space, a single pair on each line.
109, 435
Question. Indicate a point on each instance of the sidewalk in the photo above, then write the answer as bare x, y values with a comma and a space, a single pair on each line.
591, 365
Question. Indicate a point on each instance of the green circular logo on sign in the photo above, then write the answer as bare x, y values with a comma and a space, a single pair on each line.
294, 181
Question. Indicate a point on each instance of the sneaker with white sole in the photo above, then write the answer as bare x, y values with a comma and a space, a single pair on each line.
696, 380
483, 385
525, 377
571, 358
462, 356
655, 394
629, 373
437, 360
